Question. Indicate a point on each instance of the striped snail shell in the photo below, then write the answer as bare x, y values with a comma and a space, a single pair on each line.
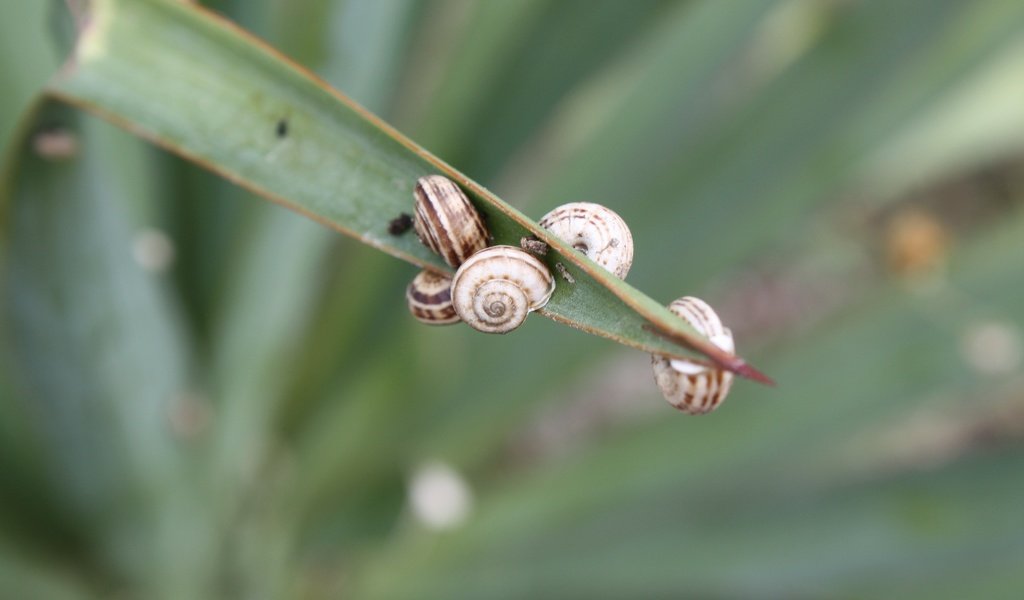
496, 288
596, 231
689, 386
429, 296
446, 221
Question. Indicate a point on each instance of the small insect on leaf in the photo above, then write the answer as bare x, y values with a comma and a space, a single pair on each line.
400, 224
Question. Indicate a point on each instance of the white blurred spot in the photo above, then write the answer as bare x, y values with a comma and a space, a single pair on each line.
55, 144
153, 250
993, 347
440, 498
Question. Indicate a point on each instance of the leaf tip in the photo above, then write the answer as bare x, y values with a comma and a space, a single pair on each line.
745, 369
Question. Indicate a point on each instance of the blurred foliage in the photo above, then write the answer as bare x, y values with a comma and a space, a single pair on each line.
204, 395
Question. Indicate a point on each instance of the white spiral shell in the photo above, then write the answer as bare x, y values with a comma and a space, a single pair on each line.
692, 387
429, 296
596, 231
446, 221
496, 288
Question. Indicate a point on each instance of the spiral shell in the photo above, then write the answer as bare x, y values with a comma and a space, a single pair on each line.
429, 296
596, 231
446, 221
496, 288
692, 387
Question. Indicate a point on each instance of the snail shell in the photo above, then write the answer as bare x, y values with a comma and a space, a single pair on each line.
596, 231
689, 386
429, 296
446, 221
496, 288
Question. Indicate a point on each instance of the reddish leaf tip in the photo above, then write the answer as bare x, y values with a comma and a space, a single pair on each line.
744, 369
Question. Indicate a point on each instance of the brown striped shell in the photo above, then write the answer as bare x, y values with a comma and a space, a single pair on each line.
429, 296
689, 386
496, 288
446, 221
596, 231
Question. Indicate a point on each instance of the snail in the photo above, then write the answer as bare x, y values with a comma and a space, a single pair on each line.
689, 386
596, 231
496, 288
446, 221
430, 298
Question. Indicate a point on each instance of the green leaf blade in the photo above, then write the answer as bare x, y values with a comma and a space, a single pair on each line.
239, 108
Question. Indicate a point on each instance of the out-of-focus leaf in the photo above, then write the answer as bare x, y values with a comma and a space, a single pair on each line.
497, 85
793, 542
102, 363
978, 123
367, 40
28, 61
743, 156
474, 39
22, 578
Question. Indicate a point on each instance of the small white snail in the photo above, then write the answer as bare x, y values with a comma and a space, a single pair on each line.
691, 387
429, 297
446, 221
596, 231
496, 288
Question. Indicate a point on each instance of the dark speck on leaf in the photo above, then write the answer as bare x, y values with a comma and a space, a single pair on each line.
400, 224
282, 128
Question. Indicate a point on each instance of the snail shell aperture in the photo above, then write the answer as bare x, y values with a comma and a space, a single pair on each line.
689, 386
496, 288
596, 231
446, 221
430, 299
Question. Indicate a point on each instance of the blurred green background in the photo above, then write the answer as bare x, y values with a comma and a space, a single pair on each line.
203, 395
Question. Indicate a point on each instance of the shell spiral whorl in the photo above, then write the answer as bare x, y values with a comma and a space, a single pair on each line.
496, 288
430, 299
446, 221
692, 387
596, 231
